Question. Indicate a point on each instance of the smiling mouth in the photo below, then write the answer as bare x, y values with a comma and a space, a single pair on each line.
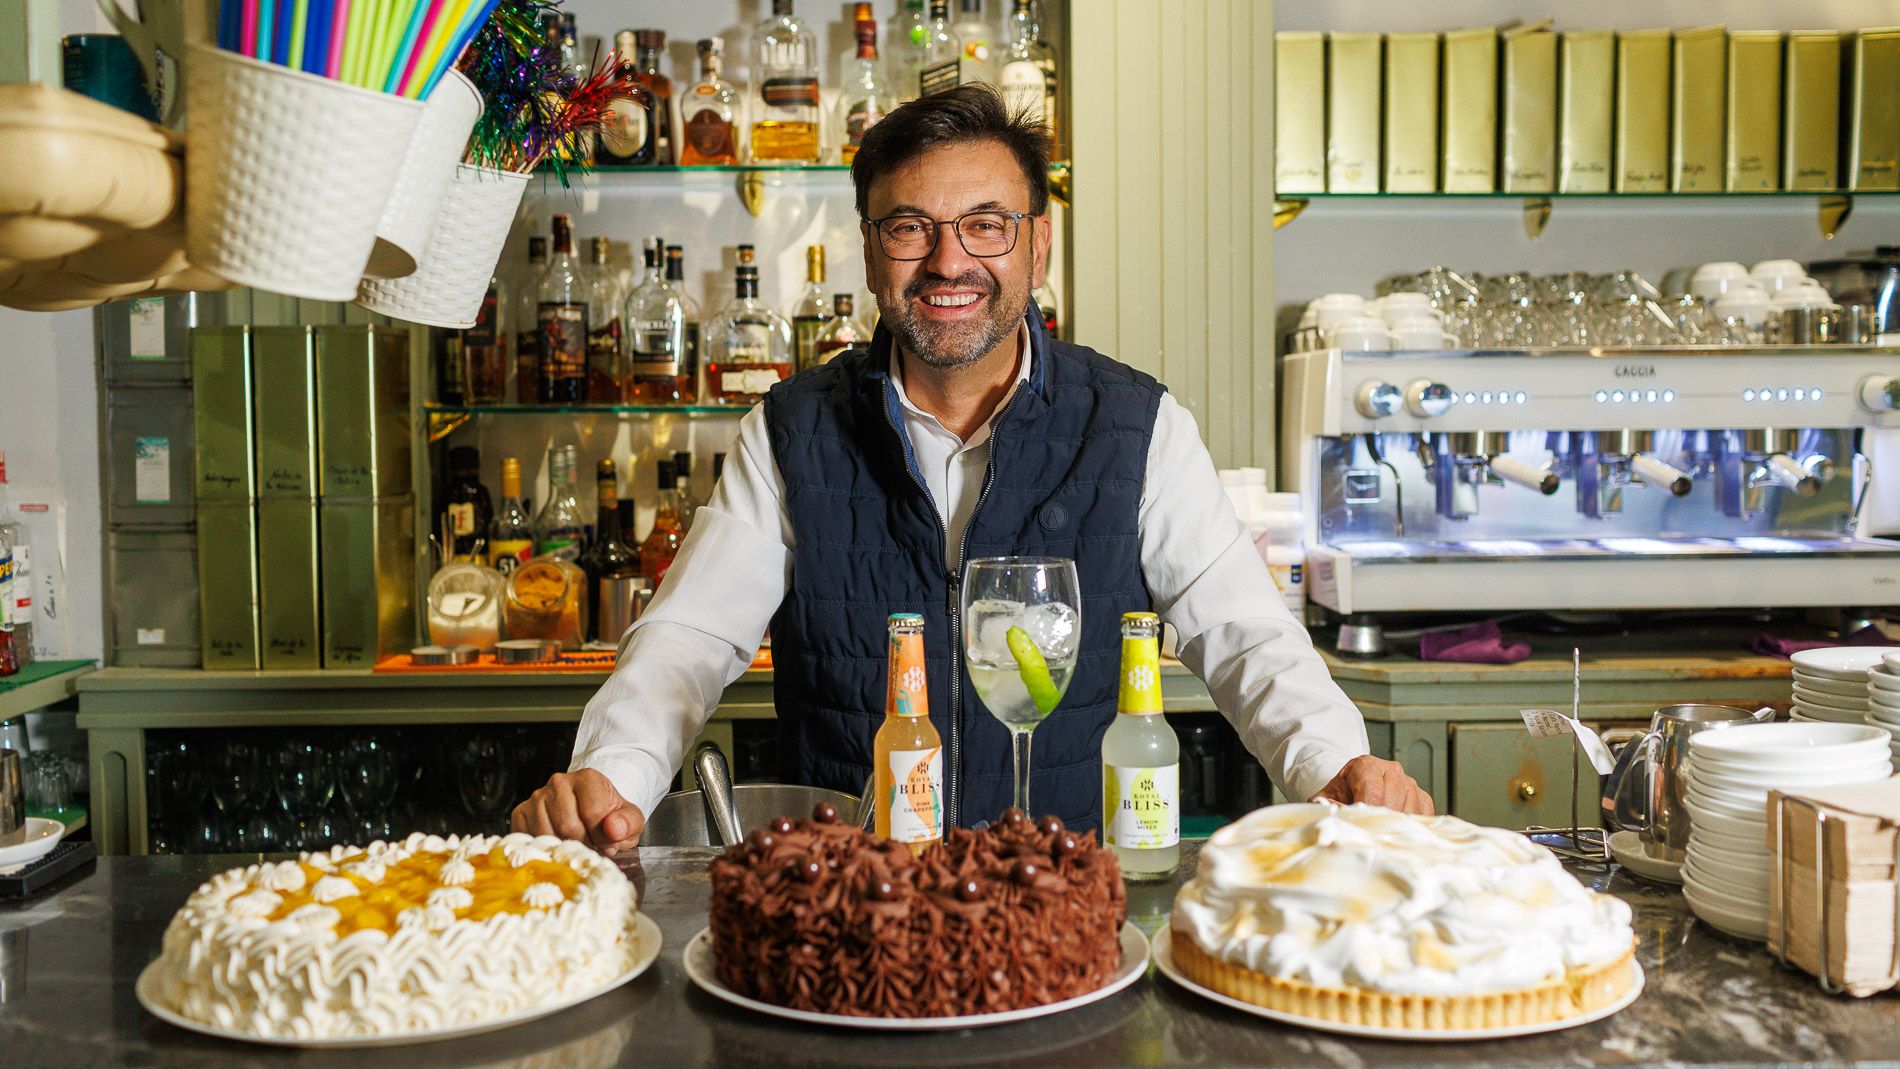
951, 300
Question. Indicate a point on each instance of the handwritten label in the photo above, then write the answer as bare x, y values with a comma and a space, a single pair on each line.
1547, 723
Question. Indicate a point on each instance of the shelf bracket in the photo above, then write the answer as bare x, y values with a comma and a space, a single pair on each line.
1287, 209
752, 192
1834, 210
442, 424
1536, 216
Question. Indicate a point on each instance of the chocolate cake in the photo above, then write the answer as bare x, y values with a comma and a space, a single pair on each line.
820, 916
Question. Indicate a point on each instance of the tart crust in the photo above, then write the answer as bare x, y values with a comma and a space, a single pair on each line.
1580, 992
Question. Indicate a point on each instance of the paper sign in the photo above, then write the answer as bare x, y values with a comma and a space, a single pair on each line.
148, 328
152, 470
1545, 723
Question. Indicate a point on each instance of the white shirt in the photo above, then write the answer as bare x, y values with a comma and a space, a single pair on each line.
1203, 572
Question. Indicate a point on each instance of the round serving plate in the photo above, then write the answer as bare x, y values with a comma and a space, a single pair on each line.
1736, 827
1826, 699
1725, 920
1751, 749
698, 959
1629, 851
1744, 890
643, 948
1830, 684
41, 836
1754, 789
1883, 682
1840, 662
1164, 960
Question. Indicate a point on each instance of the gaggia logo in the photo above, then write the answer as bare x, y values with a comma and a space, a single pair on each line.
1635, 371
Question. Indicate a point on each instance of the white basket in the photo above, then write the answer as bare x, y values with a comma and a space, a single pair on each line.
464, 245
433, 153
286, 173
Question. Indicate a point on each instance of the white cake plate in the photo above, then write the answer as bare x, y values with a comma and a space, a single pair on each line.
1165, 962
699, 966
1627, 847
643, 947
41, 836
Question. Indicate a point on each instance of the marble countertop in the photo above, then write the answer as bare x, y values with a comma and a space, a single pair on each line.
68, 961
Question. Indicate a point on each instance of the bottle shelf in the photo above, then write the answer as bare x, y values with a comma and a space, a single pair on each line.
444, 419
1832, 207
751, 181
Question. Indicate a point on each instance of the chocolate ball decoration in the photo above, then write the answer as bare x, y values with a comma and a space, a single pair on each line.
760, 839
810, 870
1025, 873
1050, 825
782, 825
883, 890
825, 813
1012, 816
1066, 845
969, 891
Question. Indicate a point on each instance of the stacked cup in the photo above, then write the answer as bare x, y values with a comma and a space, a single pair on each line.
1831, 683
1727, 874
1883, 699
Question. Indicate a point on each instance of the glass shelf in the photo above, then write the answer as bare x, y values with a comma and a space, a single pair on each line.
585, 410
1763, 194
1060, 167
753, 182
1832, 207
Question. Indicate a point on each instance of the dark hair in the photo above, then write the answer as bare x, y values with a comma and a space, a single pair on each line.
974, 112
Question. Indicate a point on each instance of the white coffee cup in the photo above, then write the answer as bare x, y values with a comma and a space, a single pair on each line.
1777, 275
1421, 332
1804, 294
1361, 334
1336, 308
1395, 308
1749, 304
1714, 279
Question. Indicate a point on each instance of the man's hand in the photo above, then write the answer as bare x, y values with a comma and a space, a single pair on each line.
581, 805
1377, 782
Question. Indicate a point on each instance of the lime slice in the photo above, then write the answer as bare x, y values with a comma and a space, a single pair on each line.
1034, 670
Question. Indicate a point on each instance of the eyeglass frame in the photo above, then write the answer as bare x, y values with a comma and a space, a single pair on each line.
956, 224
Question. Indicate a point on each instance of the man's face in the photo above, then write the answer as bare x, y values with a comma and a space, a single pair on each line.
950, 308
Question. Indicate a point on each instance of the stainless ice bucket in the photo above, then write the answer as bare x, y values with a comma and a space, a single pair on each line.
680, 818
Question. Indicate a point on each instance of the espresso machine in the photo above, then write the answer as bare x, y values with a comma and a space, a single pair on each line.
1565, 479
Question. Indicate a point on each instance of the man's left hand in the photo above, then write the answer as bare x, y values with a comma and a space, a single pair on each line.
1374, 781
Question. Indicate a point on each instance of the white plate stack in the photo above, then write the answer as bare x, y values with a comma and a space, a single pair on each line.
1831, 684
1883, 699
1726, 875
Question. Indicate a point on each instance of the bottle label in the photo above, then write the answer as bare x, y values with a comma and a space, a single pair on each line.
603, 345
509, 553
484, 332
6, 589
938, 78
750, 380
863, 115
562, 545
22, 584
916, 801
710, 135
1023, 88
462, 518
790, 92
1290, 578
1141, 676
1141, 807
563, 340
653, 350
623, 130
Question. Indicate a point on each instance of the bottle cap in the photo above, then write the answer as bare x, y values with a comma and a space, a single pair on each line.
650, 38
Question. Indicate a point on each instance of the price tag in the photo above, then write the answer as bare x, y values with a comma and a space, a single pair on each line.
1546, 723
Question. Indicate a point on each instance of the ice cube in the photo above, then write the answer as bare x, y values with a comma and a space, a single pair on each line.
1056, 628
988, 623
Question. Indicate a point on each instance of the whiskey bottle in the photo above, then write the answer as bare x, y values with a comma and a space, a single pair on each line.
689, 360
657, 335
561, 305
709, 112
663, 542
610, 557
605, 303
510, 536
1028, 73
943, 53
527, 324
683, 482
658, 102
466, 505
626, 131
811, 310
864, 98
485, 350
786, 130
842, 331
748, 345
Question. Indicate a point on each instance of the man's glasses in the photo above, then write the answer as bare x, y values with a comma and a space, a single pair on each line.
982, 234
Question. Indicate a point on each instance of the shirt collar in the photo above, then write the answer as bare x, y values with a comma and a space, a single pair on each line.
981, 434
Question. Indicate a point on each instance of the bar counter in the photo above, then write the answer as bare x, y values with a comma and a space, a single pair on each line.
68, 961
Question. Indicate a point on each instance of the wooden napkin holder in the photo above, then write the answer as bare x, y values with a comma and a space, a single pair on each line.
1834, 906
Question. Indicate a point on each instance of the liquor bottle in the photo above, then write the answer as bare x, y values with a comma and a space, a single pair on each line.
689, 309
609, 557
1141, 762
977, 40
560, 531
658, 147
910, 32
786, 130
663, 542
626, 131
566, 39
467, 506
450, 371
841, 332
510, 537
561, 309
605, 303
683, 482
1028, 74
864, 98
527, 325
485, 350
906, 754
9, 650
710, 112
21, 602
656, 342
811, 310
943, 53
748, 346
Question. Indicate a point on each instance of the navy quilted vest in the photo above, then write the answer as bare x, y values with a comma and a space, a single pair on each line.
1067, 456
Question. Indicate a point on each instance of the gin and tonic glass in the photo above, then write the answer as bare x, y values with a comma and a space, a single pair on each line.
1022, 628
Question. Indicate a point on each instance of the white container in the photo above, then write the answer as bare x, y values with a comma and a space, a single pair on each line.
1777, 275
287, 173
434, 151
464, 246
1711, 280
1278, 535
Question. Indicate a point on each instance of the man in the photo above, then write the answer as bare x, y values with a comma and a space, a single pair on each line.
859, 488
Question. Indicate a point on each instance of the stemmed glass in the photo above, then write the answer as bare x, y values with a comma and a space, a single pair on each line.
1022, 628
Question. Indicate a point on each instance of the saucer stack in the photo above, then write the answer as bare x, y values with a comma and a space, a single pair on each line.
1831, 684
1883, 699
1726, 875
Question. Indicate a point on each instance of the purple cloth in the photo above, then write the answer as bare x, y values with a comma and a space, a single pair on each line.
1478, 644
1770, 646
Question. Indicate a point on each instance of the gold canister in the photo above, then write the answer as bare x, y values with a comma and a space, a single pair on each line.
1873, 111
221, 413
362, 412
1352, 112
286, 409
1411, 113
1470, 112
1586, 109
1530, 112
1698, 109
287, 585
1642, 111
367, 559
546, 599
1299, 112
1811, 111
227, 585
1753, 158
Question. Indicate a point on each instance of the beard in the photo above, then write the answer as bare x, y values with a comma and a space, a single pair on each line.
952, 345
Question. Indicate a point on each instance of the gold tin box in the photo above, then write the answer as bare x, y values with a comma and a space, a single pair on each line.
368, 580
1586, 110
221, 413
1698, 109
287, 581
227, 585
1873, 111
1642, 111
362, 412
1411, 113
1753, 158
1811, 111
1299, 112
1352, 112
1529, 151
286, 407
1469, 114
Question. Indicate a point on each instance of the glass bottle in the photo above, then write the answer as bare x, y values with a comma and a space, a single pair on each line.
663, 542
943, 54
786, 130
561, 308
907, 753
976, 38
710, 112
655, 146
1141, 762
566, 39
21, 602
910, 33
683, 482
626, 130
656, 335
1028, 73
450, 371
485, 350
841, 332
811, 310
748, 346
689, 308
863, 99
9, 651
510, 536
609, 557
560, 530
527, 325
466, 506
604, 333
